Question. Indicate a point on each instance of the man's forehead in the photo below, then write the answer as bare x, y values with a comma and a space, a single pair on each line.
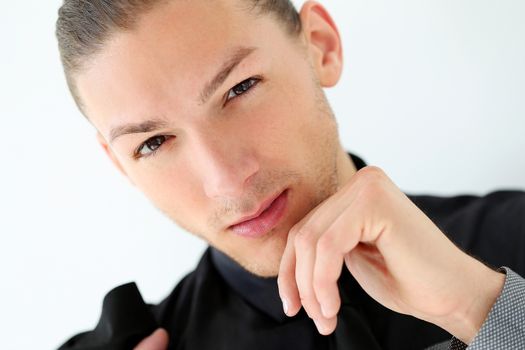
188, 28
183, 40
179, 34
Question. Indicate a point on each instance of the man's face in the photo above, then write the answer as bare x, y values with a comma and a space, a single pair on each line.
221, 149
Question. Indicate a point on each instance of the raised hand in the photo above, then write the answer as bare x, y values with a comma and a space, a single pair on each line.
394, 251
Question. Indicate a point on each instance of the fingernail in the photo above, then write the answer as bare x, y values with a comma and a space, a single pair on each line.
285, 306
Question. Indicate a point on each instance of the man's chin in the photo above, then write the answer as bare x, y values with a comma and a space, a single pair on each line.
265, 269
262, 256
263, 260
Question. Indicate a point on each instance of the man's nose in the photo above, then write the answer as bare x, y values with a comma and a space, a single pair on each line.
225, 167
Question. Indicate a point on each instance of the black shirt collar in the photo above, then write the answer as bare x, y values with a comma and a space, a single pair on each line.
262, 293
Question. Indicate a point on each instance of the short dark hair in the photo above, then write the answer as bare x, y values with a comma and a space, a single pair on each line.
84, 26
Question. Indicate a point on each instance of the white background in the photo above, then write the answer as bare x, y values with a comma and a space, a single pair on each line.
433, 92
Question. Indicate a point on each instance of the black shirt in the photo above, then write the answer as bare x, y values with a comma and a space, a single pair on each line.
222, 306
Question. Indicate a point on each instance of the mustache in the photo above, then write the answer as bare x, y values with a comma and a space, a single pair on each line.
261, 188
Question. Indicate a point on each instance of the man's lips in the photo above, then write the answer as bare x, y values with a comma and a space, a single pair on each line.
265, 220
262, 208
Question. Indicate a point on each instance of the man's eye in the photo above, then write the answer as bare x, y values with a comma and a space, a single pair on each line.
241, 88
150, 146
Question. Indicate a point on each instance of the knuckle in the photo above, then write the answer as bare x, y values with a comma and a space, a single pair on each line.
371, 174
293, 233
307, 300
372, 170
306, 296
371, 191
326, 244
305, 238
283, 279
373, 184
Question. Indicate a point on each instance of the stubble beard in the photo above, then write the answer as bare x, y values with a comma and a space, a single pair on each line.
325, 176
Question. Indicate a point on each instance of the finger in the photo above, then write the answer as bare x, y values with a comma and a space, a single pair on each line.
286, 280
158, 340
305, 243
312, 226
324, 282
327, 269
342, 236
368, 271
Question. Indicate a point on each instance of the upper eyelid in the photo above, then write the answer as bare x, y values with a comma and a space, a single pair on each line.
251, 77
136, 153
258, 79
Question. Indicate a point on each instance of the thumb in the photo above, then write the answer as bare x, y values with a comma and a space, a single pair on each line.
158, 340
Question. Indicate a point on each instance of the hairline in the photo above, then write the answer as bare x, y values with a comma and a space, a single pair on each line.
72, 71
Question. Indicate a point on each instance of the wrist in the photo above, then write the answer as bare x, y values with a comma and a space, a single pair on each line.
483, 289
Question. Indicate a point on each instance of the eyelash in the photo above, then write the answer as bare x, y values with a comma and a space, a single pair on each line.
248, 84
137, 153
245, 86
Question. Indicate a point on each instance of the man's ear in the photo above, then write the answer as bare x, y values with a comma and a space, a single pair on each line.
324, 42
102, 141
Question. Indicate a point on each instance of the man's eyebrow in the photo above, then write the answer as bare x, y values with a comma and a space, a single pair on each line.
135, 128
233, 61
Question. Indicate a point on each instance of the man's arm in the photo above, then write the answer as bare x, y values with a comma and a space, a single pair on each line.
504, 327
394, 251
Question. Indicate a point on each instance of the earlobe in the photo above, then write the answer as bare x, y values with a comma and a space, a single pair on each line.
109, 152
324, 42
